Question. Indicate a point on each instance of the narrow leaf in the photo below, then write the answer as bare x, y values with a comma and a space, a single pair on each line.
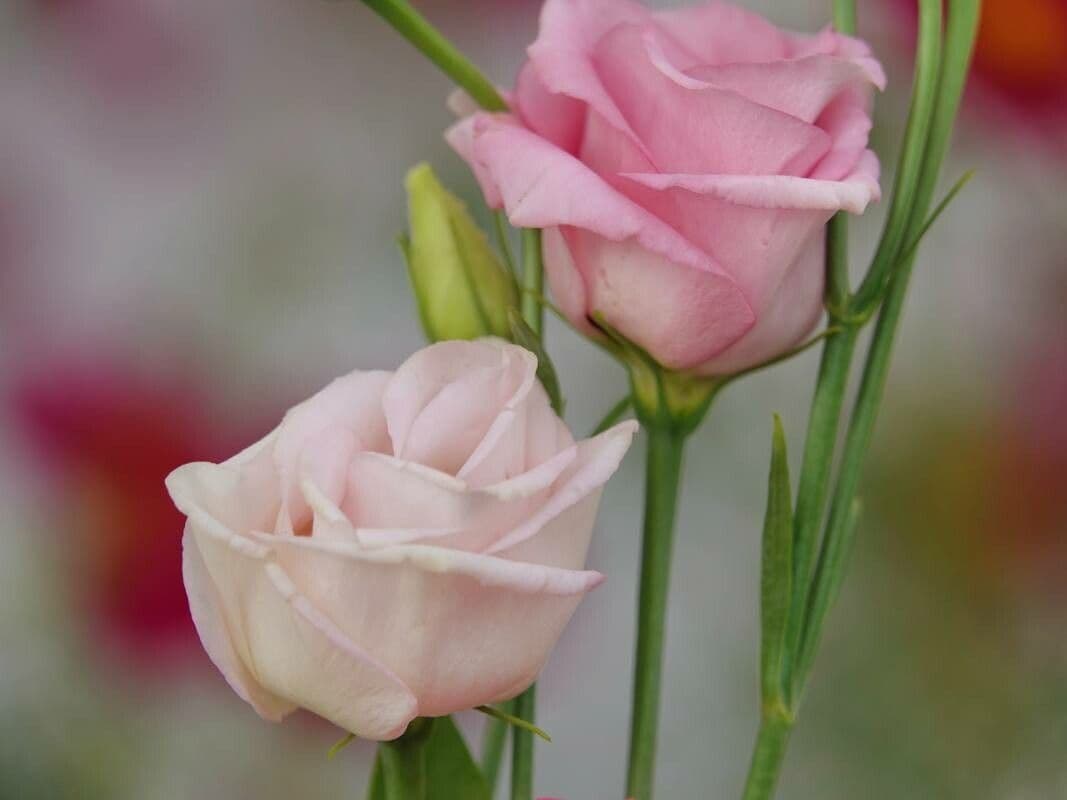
376, 787
776, 573
514, 721
340, 745
524, 336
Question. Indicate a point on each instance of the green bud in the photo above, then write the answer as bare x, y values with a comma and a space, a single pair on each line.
462, 289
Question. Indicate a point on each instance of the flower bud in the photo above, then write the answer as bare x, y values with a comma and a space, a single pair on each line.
462, 289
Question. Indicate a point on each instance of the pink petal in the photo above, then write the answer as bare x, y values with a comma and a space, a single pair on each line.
681, 316
801, 87
791, 311
561, 56
688, 126
721, 33
557, 117
460, 629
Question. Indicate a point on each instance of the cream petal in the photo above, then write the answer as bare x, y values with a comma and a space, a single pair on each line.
558, 533
215, 637
288, 646
353, 403
444, 400
461, 629
387, 493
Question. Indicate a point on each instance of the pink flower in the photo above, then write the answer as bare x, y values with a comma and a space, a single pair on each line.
404, 544
683, 164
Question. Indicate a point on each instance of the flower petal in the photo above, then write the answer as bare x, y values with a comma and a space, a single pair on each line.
428, 613
558, 534
288, 647
792, 309
690, 126
386, 493
352, 402
445, 399
204, 607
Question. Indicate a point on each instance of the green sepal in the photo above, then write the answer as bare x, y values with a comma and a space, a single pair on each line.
429, 762
523, 335
462, 289
661, 397
776, 577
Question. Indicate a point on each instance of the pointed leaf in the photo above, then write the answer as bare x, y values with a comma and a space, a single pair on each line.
450, 770
776, 577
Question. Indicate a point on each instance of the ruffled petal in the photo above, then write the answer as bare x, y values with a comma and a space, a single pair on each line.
558, 534
204, 607
445, 400
429, 613
387, 494
288, 646
561, 56
687, 125
352, 403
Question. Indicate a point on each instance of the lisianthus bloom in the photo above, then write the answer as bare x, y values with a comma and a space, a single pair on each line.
404, 544
683, 164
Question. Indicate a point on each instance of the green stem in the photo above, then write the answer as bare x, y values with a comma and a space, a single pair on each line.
962, 28
429, 41
533, 279
664, 465
823, 423
494, 739
912, 163
522, 747
767, 757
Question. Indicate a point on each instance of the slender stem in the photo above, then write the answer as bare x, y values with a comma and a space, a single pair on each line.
823, 423
493, 741
503, 239
962, 28
845, 16
767, 757
417, 30
910, 170
664, 465
522, 747
533, 279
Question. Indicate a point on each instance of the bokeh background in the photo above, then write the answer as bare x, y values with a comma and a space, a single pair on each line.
198, 205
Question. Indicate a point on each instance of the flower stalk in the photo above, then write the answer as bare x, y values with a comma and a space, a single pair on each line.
662, 477
940, 76
414, 27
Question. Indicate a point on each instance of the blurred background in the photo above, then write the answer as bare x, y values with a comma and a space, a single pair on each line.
198, 204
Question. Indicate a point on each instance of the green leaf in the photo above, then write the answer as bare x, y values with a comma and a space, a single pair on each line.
523, 335
462, 289
376, 787
450, 770
776, 578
